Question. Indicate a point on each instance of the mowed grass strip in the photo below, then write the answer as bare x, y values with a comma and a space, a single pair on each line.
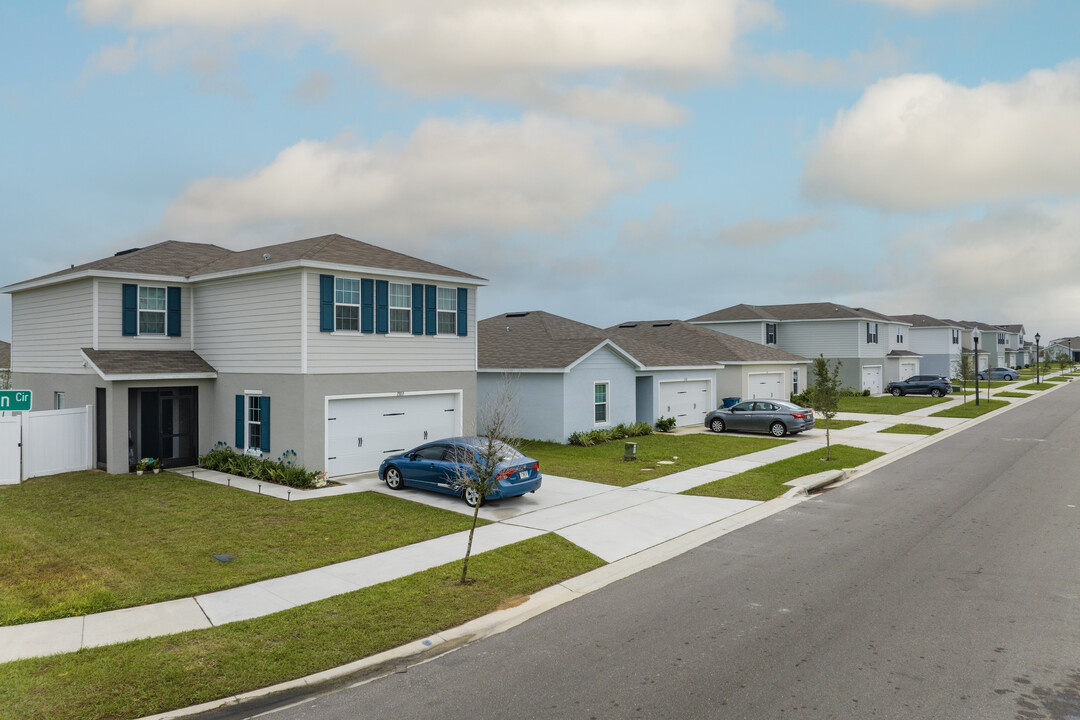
837, 424
144, 677
81, 543
1036, 386
1011, 394
767, 481
911, 429
604, 463
887, 405
970, 409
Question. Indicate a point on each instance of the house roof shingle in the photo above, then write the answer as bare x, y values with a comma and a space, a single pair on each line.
534, 339
673, 343
174, 258
148, 362
796, 311
924, 321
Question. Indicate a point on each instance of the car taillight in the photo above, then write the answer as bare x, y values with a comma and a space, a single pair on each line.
503, 475
798, 416
536, 466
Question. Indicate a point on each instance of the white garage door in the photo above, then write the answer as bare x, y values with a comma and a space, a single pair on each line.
907, 369
685, 400
362, 431
871, 378
766, 385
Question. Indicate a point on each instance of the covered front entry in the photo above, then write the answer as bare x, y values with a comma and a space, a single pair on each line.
685, 400
871, 378
362, 430
163, 423
766, 385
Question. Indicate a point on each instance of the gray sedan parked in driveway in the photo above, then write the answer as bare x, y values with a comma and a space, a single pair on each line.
778, 417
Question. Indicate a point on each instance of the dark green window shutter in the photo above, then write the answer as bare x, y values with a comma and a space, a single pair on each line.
382, 306
431, 321
240, 421
264, 423
131, 309
367, 305
417, 309
462, 311
326, 303
172, 314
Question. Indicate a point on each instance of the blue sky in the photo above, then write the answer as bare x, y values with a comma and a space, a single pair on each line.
607, 160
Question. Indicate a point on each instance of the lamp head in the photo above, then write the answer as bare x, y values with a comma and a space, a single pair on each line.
1037, 337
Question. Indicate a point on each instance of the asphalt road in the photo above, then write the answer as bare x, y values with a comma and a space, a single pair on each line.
945, 585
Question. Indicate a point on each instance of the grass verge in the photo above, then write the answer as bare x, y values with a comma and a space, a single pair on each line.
81, 543
887, 405
1011, 394
143, 677
1036, 386
836, 424
767, 481
1057, 379
911, 429
604, 463
971, 410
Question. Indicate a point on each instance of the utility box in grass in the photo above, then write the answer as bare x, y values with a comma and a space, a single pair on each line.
629, 451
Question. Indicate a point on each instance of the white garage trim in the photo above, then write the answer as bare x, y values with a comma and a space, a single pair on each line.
709, 399
457, 395
777, 380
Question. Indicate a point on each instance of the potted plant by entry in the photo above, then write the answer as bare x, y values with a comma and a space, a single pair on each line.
142, 465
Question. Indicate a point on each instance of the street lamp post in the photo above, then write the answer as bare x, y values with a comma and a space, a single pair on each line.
975, 339
1037, 358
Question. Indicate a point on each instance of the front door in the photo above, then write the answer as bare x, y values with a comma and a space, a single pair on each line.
100, 428
163, 424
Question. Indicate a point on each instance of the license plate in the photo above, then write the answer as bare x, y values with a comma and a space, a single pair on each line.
523, 474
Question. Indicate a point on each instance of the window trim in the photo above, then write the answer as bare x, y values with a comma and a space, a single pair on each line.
252, 401
407, 308
606, 403
439, 312
900, 335
871, 337
956, 336
794, 382
770, 329
140, 310
338, 279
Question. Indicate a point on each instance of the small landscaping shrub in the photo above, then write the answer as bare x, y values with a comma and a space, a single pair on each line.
588, 438
665, 424
223, 458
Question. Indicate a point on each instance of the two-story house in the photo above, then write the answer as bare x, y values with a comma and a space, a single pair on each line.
937, 341
1015, 354
992, 343
872, 348
334, 349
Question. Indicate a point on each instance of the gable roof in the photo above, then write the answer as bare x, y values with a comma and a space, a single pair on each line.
972, 324
1015, 329
675, 343
925, 321
797, 311
535, 340
194, 260
5, 355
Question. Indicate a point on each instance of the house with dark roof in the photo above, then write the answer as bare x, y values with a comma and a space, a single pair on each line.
938, 341
992, 343
872, 348
1015, 354
568, 376
335, 349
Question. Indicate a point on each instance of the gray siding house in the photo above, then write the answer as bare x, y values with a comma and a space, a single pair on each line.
337, 350
992, 342
937, 341
1015, 354
873, 348
567, 376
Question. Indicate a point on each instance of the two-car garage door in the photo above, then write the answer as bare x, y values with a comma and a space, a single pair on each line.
361, 431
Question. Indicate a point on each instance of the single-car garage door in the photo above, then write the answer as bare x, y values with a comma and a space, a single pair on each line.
361, 431
766, 385
685, 400
871, 378
907, 369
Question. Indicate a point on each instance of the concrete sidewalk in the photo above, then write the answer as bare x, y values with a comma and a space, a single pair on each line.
612, 522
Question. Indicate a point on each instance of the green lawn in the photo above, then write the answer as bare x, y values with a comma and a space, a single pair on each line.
1036, 386
1010, 394
604, 463
887, 405
85, 542
971, 410
767, 481
911, 429
143, 677
836, 424
1056, 379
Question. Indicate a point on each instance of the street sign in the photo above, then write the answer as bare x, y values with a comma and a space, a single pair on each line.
14, 400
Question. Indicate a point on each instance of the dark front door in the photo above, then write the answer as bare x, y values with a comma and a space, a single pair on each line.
164, 425
102, 439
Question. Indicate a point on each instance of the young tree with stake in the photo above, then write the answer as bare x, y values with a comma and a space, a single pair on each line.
825, 395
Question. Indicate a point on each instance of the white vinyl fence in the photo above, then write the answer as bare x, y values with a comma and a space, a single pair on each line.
53, 441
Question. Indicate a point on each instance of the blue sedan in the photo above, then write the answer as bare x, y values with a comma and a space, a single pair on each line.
439, 466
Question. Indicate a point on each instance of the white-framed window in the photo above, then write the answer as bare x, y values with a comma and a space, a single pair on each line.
1001, 338
400, 307
600, 403
871, 333
447, 311
151, 310
955, 336
900, 335
253, 423
346, 304
59, 401
770, 333
795, 382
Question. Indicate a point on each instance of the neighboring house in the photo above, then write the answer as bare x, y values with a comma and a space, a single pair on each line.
362, 350
1067, 347
937, 341
967, 343
992, 342
5, 364
1015, 355
567, 376
873, 348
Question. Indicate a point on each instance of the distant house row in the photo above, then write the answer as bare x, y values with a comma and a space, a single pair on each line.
342, 351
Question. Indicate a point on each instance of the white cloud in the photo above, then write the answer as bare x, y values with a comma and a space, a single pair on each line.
917, 142
758, 232
449, 180
579, 51
799, 67
927, 7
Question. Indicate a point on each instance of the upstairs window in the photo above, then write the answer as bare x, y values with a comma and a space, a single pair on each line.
400, 307
1001, 338
955, 337
447, 307
871, 333
900, 335
151, 310
600, 403
770, 333
346, 304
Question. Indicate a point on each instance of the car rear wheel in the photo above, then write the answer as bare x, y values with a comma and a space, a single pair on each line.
778, 429
472, 497
717, 425
897, 392
393, 478
1010, 377
935, 393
